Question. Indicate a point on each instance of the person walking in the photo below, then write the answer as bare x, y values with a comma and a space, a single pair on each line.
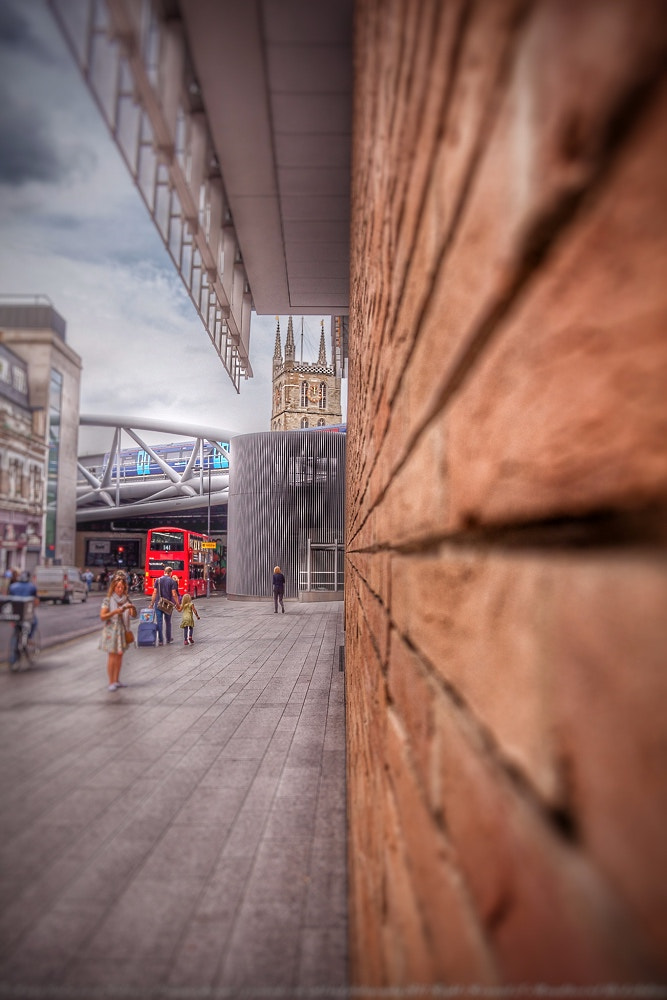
116, 612
165, 588
189, 613
278, 589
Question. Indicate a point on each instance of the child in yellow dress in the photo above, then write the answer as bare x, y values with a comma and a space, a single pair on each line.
188, 615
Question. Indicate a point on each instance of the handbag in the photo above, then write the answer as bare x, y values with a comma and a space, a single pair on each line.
164, 604
129, 636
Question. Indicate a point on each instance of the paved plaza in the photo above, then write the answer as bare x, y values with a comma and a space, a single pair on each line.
185, 836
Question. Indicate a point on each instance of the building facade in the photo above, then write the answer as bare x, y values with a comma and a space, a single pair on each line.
36, 333
304, 395
286, 508
22, 467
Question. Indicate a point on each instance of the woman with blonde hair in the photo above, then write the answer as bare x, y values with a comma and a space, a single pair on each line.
278, 589
116, 612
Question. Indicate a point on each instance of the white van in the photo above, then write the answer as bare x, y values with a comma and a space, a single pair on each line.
60, 583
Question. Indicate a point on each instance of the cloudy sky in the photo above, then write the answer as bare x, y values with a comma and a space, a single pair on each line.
73, 227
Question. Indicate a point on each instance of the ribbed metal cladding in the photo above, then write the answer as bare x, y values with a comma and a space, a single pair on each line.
284, 487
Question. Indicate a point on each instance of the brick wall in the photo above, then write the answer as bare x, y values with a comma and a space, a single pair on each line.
506, 589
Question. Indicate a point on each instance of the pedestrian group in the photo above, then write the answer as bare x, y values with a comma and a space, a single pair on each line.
117, 611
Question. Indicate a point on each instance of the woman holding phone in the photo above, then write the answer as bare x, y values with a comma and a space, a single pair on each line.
116, 612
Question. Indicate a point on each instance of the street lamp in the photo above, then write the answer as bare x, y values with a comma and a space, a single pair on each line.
208, 532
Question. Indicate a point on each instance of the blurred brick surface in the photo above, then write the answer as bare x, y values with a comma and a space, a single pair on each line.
506, 610
569, 405
609, 693
478, 621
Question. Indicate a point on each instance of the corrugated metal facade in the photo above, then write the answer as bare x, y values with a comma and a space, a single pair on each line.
284, 487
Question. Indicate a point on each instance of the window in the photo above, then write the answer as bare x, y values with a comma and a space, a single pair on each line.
155, 565
304, 395
323, 395
20, 379
304, 422
320, 422
305, 470
167, 541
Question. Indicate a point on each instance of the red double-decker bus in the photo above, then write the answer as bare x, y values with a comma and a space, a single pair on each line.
187, 554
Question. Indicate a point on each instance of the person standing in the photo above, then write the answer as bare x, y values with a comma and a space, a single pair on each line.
116, 612
278, 589
189, 612
167, 588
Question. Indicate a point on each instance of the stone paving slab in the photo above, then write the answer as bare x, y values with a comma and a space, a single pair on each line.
185, 836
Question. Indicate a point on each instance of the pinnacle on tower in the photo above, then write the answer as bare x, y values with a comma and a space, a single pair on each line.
277, 351
322, 358
289, 343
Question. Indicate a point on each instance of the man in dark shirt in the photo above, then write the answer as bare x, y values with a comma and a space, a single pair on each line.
165, 587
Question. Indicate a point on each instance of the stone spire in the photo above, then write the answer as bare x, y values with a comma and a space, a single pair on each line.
289, 343
322, 358
277, 351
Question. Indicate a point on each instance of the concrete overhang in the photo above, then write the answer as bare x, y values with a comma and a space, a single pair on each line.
276, 84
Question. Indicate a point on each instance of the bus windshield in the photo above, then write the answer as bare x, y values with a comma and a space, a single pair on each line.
166, 541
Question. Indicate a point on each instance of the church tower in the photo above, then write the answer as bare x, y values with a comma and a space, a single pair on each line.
304, 395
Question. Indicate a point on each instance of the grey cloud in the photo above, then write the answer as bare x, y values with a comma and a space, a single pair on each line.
14, 27
125, 236
17, 33
35, 78
27, 149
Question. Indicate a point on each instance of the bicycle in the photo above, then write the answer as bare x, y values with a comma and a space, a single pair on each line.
25, 642
23, 646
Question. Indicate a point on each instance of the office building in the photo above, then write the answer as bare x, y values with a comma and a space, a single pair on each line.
35, 333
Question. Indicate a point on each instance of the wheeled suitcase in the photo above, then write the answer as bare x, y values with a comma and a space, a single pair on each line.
147, 633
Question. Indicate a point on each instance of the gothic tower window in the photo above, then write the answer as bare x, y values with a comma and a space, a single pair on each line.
323, 395
304, 394
320, 422
304, 421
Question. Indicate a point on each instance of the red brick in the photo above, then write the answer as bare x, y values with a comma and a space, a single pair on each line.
416, 503
366, 710
569, 405
473, 807
452, 930
412, 694
516, 688
550, 915
407, 958
521, 179
608, 695
478, 621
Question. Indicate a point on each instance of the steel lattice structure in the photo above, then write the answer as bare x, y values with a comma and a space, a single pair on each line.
105, 492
